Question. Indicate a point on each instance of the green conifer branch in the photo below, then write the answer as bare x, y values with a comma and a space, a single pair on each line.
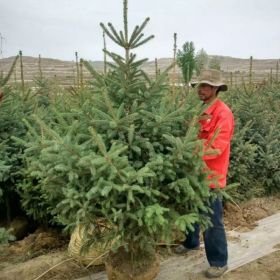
94, 73
138, 63
131, 58
104, 48
120, 112
131, 134
110, 35
31, 129
102, 115
45, 128
112, 54
115, 55
123, 39
160, 78
133, 35
143, 25
118, 60
54, 134
112, 65
146, 77
134, 39
128, 119
109, 105
115, 33
143, 42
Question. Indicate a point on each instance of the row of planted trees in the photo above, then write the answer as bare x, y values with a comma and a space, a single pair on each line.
255, 149
121, 158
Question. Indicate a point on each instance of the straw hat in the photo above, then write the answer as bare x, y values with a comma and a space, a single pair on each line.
211, 77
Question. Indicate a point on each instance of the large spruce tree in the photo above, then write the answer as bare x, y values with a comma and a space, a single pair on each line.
124, 153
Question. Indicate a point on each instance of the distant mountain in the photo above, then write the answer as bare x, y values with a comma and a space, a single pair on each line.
65, 71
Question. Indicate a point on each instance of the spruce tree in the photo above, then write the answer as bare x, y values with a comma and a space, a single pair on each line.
125, 154
255, 146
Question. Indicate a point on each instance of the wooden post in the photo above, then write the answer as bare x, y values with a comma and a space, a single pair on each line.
251, 73
21, 72
40, 68
156, 67
77, 69
81, 73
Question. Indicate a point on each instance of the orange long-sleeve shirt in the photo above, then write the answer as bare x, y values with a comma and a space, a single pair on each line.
217, 118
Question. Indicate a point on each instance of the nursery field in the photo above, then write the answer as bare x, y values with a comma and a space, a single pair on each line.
102, 169
40, 151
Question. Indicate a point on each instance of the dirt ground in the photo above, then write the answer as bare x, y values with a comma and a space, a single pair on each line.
45, 251
266, 268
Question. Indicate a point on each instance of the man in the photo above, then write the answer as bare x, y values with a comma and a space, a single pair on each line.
216, 128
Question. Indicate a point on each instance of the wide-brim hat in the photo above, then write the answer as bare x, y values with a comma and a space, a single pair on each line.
211, 77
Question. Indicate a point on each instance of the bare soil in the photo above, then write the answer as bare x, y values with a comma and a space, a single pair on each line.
244, 217
120, 265
34, 255
47, 250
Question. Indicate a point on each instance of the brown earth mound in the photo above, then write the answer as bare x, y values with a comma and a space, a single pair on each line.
244, 217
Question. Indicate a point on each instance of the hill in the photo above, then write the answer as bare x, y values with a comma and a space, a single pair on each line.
65, 71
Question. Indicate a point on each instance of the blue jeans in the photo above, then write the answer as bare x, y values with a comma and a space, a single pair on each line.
214, 237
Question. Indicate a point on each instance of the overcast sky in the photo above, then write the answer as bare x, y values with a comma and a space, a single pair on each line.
58, 28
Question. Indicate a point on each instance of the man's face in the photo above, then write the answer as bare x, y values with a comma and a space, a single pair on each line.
206, 93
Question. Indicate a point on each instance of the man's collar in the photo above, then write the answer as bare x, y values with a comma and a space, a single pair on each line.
211, 106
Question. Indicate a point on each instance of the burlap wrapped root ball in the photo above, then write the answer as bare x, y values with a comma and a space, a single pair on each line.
95, 255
